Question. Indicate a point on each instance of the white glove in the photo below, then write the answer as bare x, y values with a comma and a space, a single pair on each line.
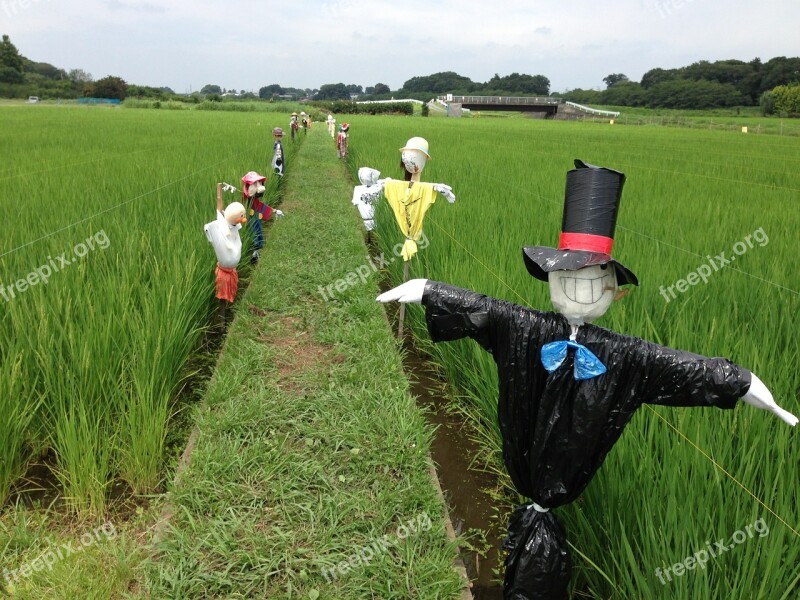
408, 293
759, 396
278, 213
446, 191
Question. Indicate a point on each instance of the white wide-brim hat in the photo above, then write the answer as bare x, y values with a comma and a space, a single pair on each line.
417, 143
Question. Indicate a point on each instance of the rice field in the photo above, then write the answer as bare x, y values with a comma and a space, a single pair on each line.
107, 284
108, 290
679, 479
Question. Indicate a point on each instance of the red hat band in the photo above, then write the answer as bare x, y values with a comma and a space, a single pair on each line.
586, 242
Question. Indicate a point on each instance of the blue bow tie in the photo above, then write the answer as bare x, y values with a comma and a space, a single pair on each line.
587, 365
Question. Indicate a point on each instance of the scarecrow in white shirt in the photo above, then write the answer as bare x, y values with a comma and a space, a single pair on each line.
223, 233
366, 195
560, 411
331, 125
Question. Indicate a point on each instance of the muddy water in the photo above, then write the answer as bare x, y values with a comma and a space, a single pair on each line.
470, 506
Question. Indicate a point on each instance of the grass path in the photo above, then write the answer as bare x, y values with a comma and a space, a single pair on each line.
310, 474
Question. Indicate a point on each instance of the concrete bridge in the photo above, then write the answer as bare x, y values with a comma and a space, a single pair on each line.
551, 107
543, 104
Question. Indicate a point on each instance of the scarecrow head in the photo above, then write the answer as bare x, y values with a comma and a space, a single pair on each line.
253, 185
235, 214
368, 176
583, 276
277, 133
414, 155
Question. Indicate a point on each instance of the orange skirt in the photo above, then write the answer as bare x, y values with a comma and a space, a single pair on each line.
227, 283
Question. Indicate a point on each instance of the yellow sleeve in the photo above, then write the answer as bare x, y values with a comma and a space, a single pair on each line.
430, 195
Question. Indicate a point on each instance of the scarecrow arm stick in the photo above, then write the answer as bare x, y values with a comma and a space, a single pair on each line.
219, 197
759, 396
402, 316
374, 190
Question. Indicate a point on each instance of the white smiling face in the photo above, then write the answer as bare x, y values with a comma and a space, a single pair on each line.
584, 295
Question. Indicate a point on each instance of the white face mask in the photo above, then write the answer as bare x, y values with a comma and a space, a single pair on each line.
583, 295
413, 160
255, 188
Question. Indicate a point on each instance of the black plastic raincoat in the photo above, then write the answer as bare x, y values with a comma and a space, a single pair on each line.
557, 430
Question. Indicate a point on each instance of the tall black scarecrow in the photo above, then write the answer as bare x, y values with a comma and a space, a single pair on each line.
560, 412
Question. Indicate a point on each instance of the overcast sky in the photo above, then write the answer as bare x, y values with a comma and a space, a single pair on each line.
246, 44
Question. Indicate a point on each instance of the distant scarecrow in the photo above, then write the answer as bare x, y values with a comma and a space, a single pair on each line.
341, 140
278, 155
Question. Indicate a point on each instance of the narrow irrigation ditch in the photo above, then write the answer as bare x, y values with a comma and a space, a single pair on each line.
469, 491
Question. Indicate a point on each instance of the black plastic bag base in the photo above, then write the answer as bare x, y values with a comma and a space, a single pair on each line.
539, 565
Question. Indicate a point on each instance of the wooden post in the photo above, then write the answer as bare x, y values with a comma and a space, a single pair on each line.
222, 303
402, 316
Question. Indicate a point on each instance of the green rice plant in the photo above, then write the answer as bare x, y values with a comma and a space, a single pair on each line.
101, 345
17, 411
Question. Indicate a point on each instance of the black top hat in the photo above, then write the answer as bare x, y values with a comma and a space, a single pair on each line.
591, 203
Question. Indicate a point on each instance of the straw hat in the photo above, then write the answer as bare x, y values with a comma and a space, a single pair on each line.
417, 143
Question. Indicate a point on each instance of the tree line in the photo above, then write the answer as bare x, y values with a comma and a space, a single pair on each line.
703, 84
774, 84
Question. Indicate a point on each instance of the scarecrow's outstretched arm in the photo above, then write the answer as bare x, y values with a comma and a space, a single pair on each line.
374, 188
759, 396
446, 191
409, 292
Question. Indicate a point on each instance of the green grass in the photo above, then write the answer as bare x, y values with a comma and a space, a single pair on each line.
730, 120
689, 194
310, 447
